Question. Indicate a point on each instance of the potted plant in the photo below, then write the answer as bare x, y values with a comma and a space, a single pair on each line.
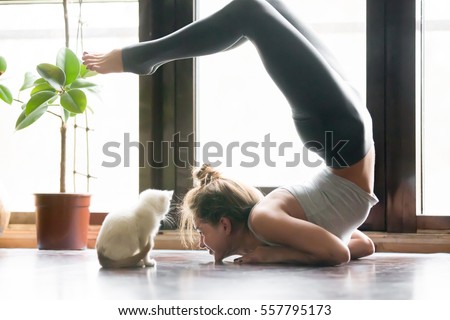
6, 96
62, 219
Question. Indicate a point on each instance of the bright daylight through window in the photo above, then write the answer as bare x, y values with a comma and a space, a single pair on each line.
434, 106
244, 123
30, 158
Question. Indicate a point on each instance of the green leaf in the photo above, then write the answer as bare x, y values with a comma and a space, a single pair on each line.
28, 81
25, 120
38, 100
40, 81
74, 101
85, 72
42, 87
69, 63
84, 84
5, 94
3, 65
53, 74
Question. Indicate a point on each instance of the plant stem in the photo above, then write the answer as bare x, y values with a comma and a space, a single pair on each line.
62, 173
62, 181
87, 151
56, 115
66, 22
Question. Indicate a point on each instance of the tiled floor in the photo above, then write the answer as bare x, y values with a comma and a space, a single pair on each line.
34, 274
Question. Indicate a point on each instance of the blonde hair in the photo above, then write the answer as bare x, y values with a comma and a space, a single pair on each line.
214, 197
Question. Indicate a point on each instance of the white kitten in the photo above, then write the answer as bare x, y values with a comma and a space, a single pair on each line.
127, 235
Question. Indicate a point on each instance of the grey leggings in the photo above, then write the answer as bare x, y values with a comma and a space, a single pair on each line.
328, 114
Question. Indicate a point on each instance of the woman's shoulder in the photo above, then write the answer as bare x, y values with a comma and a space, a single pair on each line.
270, 217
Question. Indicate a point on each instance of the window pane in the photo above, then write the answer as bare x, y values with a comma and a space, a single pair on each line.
240, 111
29, 159
435, 107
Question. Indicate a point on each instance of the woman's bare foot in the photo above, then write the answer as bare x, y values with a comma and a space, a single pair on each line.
104, 63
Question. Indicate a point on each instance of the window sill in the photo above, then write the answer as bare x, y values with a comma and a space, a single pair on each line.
421, 242
24, 236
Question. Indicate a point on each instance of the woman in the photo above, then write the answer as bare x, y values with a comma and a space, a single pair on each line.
311, 223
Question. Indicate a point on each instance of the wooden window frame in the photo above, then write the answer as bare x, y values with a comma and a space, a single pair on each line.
391, 96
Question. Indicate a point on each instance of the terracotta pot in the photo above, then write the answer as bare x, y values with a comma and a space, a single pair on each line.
4, 212
62, 220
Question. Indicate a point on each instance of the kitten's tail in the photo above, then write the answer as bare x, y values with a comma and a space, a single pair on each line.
132, 261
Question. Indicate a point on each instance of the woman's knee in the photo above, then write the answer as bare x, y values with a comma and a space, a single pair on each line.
249, 4
360, 248
370, 247
251, 8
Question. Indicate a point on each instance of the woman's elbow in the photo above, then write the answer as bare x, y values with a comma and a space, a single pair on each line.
336, 257
341, 256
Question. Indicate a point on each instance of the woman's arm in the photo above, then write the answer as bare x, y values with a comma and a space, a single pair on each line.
266, 254
300, 241
360, 246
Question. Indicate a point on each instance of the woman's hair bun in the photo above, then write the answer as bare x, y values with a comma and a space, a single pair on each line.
205, 175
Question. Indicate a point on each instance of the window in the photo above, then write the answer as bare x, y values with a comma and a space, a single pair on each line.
390, 37
241, 112
30, 158
433, 108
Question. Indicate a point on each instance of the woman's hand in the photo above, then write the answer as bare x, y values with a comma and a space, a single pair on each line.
262, 254
266, 254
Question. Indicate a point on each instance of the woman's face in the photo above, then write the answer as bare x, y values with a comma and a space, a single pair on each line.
214, 238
